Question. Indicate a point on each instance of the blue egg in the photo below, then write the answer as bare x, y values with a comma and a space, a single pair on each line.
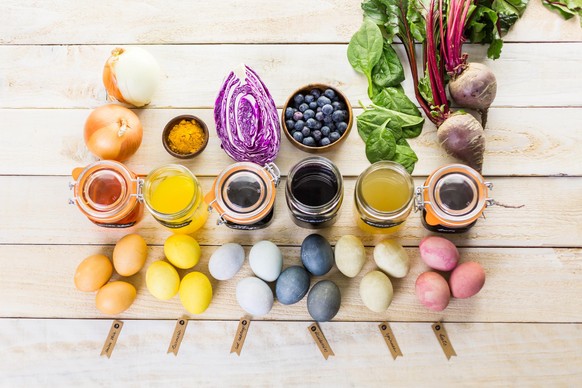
292, 285
324, 300
317, 255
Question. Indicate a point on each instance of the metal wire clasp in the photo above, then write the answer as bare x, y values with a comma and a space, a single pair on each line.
274, 171
419, 198
71, 187
220, 220
489, 201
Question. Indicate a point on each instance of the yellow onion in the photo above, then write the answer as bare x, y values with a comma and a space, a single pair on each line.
113, 132
131, 75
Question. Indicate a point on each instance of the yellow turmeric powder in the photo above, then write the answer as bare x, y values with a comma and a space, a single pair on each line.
186, 137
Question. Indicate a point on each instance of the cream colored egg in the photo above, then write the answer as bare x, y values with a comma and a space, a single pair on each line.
350, 255
376, 291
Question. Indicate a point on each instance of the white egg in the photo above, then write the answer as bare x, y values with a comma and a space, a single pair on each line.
350, 255
254, 296
266, 260
226, 261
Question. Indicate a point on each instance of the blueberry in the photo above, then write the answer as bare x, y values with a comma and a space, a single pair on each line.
318, 109
321, 101
316, 135
298, 98
324, 141
308, 114
325, 131
299, 125
297, 116
303, 107
334, 136
311, 123
315, 93
290, 124
329, 93
336, 105
327, 109
298, 136
327, 119
331, 126
337, 116
319, 116
289, 112
318, 125
313, 105
341, 127
306, 131
308, 141
309, 98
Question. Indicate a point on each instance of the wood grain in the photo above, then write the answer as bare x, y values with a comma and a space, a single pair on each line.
39, 214
282, 354
520, 141
224, 21
40, 285
70, 76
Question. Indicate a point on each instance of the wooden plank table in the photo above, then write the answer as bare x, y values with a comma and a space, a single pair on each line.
524, 328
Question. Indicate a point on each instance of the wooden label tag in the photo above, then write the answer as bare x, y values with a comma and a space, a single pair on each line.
178, 335
443, 338
111, 339
240, 335
320, 340
388, 336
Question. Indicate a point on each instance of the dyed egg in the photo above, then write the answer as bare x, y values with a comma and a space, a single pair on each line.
93, 273
129, 254
226, 261
254, 296
266, 260
182, 251
350, 255
195, 292
433, 291
292, 285
115, 297
467, 280
324, 300
162, 280
376, 291
438, 253
391, 257
316, 255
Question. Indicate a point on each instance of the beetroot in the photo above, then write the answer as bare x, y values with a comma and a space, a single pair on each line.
461, 135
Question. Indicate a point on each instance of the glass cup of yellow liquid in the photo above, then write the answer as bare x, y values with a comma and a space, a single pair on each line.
174, 197
383, 197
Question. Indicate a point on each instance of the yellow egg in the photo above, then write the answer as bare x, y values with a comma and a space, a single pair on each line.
195, 292
93, 273
162, 280
129, 254
115, 297
182, 251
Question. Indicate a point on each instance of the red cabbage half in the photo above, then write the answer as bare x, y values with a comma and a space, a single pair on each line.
246, 118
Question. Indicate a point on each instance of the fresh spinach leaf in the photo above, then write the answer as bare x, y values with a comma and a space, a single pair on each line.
388, 71
375, 10
396, 99
365, 49
369, 120
381, 145
405, 156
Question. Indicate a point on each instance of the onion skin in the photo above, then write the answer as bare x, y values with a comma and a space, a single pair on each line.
474, 88
113, 132
461, 135
109, 78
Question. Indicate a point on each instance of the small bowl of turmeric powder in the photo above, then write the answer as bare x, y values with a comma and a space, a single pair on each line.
185, 136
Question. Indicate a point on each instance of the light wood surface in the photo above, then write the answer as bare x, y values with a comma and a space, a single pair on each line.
524, 328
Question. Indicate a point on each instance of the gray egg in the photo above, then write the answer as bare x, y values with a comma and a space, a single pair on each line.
324, 300
254, 296
292, 285
317, 255
226, 261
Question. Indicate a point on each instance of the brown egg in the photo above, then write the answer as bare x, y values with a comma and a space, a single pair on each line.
115, 297
129, 254
93, 273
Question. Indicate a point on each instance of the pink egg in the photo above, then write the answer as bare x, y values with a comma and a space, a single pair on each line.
439, 253
467, 280
433, 291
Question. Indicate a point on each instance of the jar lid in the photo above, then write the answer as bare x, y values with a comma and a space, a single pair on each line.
244, 193
105, 190
454, 195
